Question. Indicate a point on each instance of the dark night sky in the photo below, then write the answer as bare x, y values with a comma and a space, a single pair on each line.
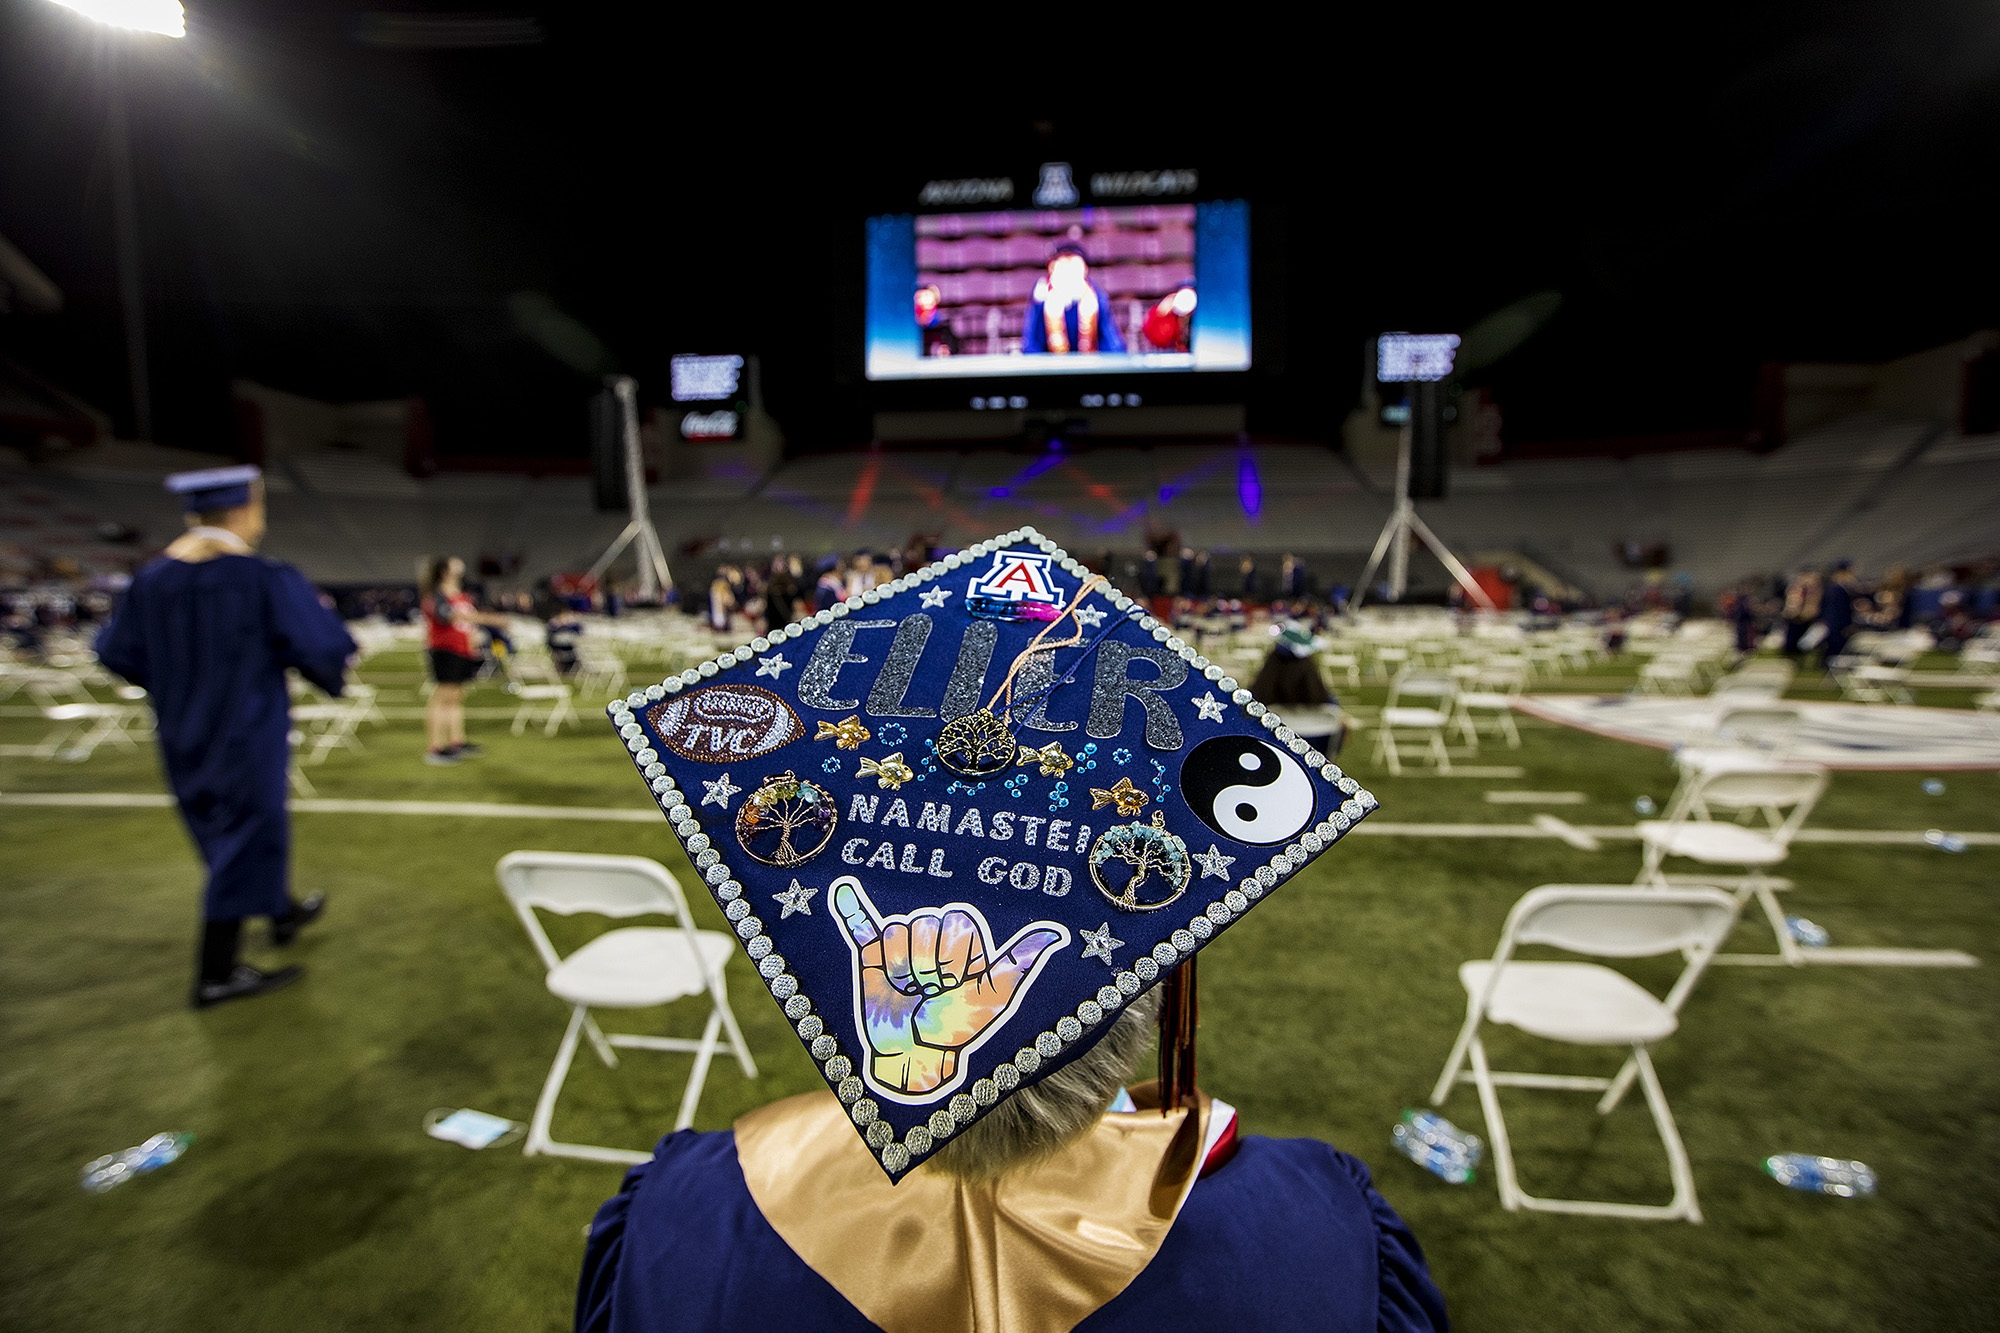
1804, 181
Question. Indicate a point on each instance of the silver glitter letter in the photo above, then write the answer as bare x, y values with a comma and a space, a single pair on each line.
968, 676
893, 681
829, 655
1114, 682
1037, 673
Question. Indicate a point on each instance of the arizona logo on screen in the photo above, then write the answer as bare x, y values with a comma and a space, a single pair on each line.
1018, 576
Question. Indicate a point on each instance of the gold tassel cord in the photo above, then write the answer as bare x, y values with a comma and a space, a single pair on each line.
1180, 1015
1039, 644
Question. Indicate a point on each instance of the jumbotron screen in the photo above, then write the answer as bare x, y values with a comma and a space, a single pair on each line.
1145, 287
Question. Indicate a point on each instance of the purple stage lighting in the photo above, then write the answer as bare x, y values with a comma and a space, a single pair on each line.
1249, 489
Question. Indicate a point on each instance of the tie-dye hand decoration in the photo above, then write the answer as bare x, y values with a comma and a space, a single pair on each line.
932, 984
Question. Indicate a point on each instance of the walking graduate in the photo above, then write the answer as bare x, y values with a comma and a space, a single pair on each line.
973, 831
208, 630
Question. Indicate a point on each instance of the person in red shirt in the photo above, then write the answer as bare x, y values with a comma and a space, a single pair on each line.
450, 617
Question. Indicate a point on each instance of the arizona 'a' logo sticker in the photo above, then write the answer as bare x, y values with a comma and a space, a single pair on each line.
1018, 576
726, 724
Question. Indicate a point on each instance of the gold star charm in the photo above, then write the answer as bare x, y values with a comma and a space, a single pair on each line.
1051, 757
1128, 798
890, 772
847, 734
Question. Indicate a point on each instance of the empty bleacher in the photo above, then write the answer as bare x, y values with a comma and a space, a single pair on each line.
1876, 490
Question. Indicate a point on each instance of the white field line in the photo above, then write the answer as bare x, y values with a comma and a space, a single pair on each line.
1568, 832
620, 815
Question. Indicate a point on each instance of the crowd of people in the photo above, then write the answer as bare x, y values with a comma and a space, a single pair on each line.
1818, 611
763, 595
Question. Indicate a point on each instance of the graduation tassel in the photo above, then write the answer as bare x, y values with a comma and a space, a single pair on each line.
1180, 1014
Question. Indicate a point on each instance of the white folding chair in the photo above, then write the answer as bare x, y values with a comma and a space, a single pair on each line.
1346, 665
547, 704
1425, 722
50, 688
1876, 683
1670, 677
599, 670
329, 726
362, 697
81, 728
634, 967
1754, 681
1690, 832
1742, 737
1322, 725
1493, 690
1588, 1004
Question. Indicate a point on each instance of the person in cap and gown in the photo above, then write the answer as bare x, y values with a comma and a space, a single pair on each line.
1289, 682
936, 1184
1074, 1204
1836, 611
208, 630
1067, 311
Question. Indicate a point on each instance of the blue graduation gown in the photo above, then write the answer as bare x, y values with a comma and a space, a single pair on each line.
1035, 332
1288, 1234
210, 642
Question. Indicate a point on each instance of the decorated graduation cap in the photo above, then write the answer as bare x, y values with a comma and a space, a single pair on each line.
960, 821
214, 488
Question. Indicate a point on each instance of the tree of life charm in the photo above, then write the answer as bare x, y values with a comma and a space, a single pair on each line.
787, 821
977, 745
1148, 850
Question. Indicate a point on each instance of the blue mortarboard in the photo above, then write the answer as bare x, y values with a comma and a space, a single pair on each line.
952, 861
214, 488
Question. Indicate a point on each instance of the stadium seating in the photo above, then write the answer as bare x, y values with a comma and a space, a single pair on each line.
1854, 489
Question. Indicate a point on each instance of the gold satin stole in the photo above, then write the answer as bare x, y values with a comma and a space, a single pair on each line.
1036, 1252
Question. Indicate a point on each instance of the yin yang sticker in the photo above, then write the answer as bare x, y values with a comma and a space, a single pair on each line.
1248, 790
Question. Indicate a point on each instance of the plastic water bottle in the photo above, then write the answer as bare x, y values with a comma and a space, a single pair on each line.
1438, 1146
1808, 933
1944, 842
1821, 1175
1933, 787
115, 1169
1644, 805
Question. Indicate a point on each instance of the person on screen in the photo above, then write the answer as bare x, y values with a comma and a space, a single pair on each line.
1068, 312
1170, 323
939, 340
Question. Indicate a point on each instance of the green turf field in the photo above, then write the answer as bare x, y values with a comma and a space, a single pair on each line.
312, 1200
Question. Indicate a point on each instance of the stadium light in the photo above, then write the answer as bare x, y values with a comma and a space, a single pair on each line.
165, 17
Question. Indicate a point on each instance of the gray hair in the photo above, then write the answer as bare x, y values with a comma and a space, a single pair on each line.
1039, 1121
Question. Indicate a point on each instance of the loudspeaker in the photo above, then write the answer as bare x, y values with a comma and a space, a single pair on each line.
607, 453
1427, 440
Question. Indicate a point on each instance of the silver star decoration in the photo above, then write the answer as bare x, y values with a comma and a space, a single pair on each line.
1099, 944
719, 791
1089, 616
1214, 865
774, 666
796, 900
935, 597
1209, 707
